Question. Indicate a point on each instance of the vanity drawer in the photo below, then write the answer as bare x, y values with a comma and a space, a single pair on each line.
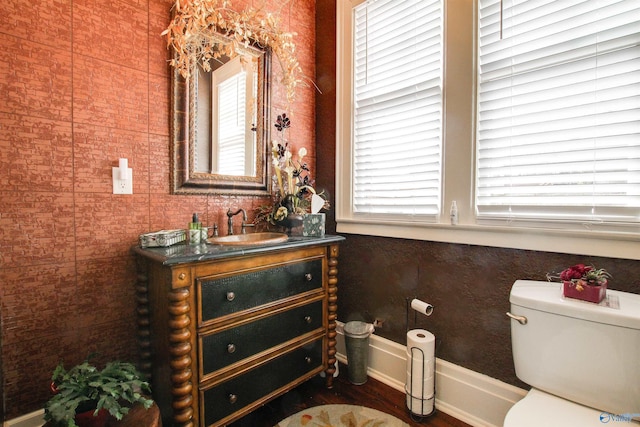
235, 344
231, 294
232, 396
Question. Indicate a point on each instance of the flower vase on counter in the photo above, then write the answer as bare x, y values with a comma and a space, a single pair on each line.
290, 222
294, 197
286, 215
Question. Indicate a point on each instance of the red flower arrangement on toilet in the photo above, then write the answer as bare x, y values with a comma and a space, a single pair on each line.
584, 282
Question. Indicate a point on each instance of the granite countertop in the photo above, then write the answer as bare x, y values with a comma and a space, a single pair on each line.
185, 253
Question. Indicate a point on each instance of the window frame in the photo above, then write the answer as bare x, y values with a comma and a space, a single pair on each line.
459, 159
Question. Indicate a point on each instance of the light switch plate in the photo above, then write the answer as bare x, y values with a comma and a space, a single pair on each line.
122, 186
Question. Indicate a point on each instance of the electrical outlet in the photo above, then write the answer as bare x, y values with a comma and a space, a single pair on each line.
122, 186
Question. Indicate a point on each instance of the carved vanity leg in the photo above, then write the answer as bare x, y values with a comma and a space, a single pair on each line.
180, 350
144, 331
333, 313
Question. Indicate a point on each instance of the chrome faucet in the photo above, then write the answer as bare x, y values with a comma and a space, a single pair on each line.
230, 216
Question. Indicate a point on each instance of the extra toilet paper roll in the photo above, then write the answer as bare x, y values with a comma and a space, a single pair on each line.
421, 307
420, 407
422, 340
419, 385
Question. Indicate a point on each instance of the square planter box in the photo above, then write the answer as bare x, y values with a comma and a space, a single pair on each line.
593, 294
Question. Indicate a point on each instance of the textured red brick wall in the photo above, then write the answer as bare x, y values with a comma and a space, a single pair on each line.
83, 83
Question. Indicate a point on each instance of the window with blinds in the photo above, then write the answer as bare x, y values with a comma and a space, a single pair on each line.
558, 118
397, 107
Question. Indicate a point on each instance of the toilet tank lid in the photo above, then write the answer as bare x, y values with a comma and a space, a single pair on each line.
623, 308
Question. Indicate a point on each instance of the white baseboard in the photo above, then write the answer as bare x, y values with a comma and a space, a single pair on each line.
474, 398
34, 419
469, 396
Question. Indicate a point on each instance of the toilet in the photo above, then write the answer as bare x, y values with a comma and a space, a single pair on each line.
582, 360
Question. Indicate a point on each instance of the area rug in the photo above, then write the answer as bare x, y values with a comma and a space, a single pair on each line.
341, 416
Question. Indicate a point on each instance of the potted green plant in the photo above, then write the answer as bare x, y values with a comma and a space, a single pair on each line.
85, 394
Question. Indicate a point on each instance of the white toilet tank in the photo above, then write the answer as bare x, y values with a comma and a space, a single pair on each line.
580, 351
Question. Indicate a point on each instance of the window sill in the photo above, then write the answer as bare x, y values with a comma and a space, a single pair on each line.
593, 243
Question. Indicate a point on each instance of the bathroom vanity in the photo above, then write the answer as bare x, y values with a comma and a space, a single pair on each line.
224, 329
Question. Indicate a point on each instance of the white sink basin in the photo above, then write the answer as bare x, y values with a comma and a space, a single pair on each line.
252, 239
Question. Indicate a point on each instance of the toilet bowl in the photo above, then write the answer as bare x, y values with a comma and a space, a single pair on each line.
580, 358
540, 409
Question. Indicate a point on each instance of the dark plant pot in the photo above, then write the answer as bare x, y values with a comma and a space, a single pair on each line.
588, 293
87, 419
291, 221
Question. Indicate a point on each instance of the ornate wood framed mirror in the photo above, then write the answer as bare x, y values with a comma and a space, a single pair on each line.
220, 132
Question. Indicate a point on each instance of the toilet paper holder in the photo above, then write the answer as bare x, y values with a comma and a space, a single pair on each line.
417, 414
419, 307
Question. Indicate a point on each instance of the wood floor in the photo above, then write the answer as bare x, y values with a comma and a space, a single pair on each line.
372, 394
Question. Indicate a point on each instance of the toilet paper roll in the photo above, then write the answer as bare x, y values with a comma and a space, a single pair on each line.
420, 383
419, 386
420, 406
417, 389
422, 340
421, 307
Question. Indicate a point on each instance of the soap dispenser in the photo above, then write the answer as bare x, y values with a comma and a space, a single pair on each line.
194, 230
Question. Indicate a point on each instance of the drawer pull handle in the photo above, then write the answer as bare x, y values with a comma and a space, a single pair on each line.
308, 360
182, 276
307, 319
309, 277
233, 398
231, 348
231, 296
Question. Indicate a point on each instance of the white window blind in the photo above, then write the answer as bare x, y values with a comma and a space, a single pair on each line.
397, 112
559, 111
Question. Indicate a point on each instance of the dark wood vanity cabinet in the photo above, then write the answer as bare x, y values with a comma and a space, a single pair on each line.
225, 331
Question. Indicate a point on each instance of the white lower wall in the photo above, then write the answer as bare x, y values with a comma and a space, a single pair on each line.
471, 397
474, 398
34, 419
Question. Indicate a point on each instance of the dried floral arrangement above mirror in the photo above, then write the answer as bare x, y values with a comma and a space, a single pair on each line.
205, 30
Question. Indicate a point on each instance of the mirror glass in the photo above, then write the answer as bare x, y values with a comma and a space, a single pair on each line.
220, 130
225, 139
